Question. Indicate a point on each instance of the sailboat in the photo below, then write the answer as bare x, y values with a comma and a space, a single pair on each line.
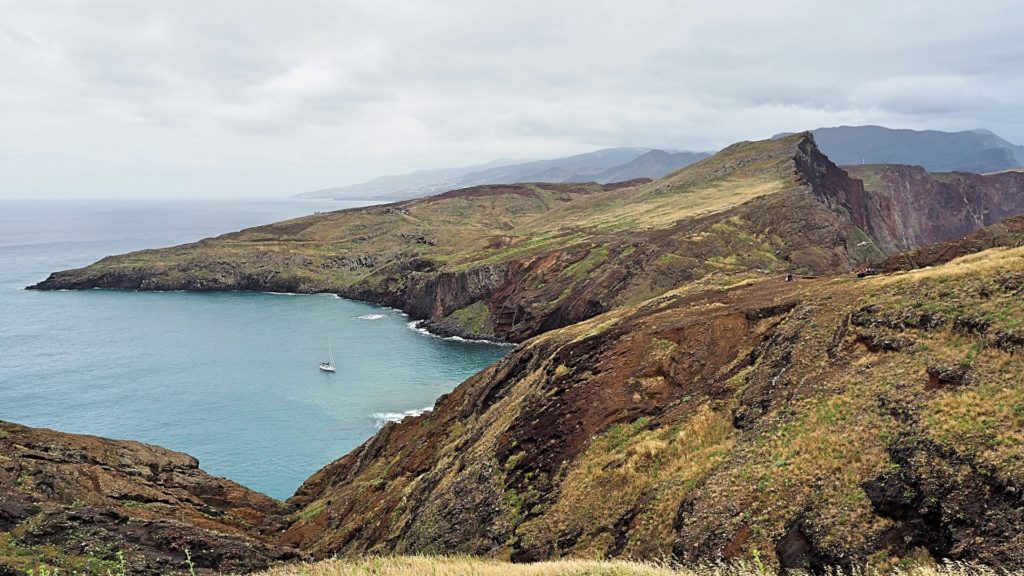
329, 365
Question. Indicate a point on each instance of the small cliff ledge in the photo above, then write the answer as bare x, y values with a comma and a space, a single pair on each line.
79, 501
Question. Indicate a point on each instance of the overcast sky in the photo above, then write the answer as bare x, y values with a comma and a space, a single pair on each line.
258, 98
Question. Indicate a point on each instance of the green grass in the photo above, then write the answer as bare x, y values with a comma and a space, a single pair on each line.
474, 318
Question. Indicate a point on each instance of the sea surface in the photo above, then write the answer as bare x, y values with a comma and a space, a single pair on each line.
230, 378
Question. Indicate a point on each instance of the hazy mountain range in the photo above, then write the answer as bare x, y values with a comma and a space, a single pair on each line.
602, 166
978, 151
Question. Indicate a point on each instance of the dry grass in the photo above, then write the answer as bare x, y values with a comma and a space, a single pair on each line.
650, 470
466, 566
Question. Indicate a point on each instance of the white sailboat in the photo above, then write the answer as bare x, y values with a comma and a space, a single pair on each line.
329, 365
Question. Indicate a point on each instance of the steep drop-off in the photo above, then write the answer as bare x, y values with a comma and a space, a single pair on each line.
514, 261
1007, 234
906, 207
815, 422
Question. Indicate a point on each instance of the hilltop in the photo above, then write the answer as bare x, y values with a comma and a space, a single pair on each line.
978, 151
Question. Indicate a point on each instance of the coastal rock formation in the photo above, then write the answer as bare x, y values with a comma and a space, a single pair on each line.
906, 207
85, 503
1009, 233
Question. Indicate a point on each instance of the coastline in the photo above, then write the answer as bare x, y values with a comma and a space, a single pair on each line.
426, 326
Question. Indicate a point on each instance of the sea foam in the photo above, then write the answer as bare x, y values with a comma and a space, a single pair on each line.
383, 418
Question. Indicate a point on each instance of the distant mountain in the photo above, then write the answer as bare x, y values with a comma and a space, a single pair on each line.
654, 164
602, 166
969, 151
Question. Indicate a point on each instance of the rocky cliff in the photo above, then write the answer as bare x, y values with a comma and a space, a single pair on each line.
906, 207
815, 422
83, 503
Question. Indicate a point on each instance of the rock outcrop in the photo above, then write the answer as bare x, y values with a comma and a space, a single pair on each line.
84, 503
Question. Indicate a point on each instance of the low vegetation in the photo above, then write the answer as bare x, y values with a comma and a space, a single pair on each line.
701, 379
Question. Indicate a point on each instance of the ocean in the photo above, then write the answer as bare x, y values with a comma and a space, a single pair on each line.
230, 378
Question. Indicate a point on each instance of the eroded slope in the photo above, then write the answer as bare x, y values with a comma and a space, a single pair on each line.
813, 422
909, 208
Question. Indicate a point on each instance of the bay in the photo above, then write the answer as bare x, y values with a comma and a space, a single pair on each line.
230, 378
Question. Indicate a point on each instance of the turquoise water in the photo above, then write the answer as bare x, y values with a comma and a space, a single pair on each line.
230, 378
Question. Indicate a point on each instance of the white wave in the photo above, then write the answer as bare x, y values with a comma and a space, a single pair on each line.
415, 327
371, 316
385, 417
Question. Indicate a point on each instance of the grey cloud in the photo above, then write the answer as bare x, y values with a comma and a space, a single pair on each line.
260, 97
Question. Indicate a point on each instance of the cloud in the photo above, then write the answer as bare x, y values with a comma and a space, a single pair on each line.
189, 98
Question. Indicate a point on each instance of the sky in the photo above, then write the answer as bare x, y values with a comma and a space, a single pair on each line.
194, 98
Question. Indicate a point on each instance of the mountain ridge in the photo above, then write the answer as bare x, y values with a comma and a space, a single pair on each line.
603, 166
446, 269
509, 262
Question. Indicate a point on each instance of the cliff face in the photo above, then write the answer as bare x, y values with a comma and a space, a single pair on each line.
906, 207
77, 501
1007, 234
513, 261
818, 422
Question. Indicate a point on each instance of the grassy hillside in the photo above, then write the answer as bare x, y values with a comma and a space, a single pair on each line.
810, 423
675, 397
